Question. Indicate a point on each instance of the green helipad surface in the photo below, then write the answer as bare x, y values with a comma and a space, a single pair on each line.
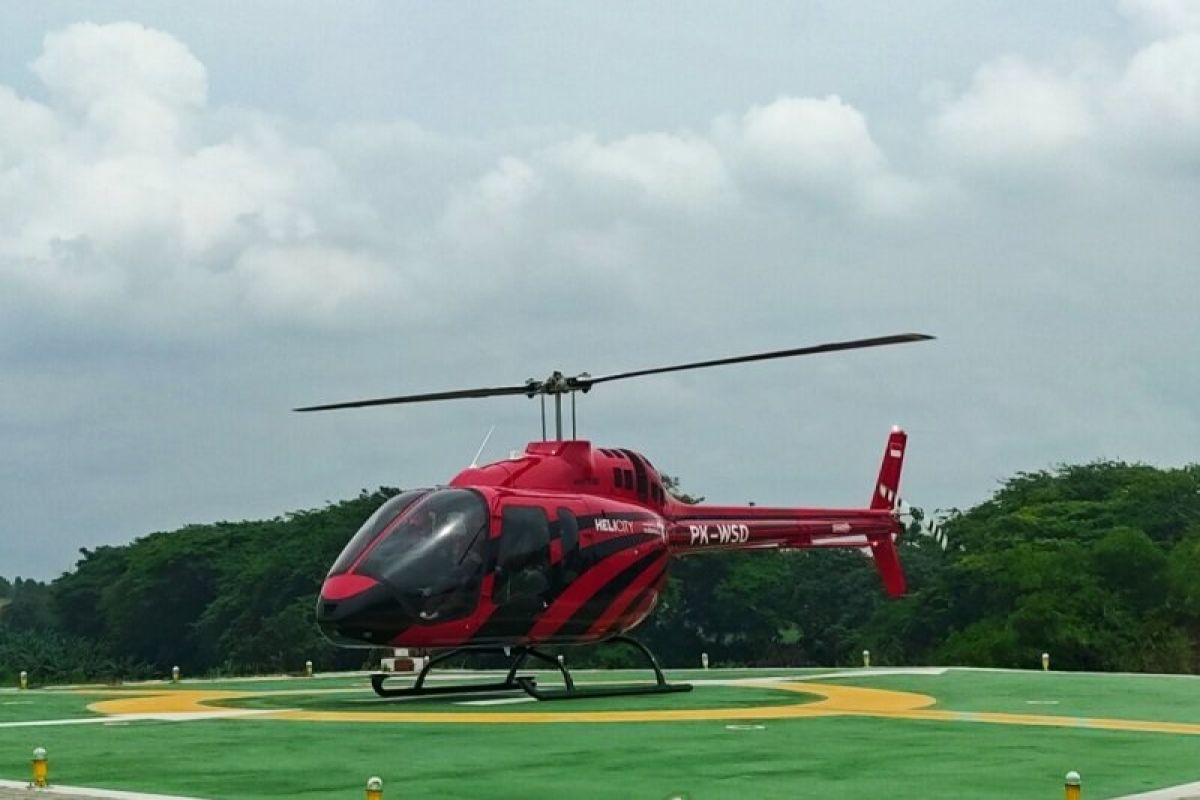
774, 733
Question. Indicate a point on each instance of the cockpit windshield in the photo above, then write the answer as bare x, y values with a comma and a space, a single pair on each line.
433, 557
373, 527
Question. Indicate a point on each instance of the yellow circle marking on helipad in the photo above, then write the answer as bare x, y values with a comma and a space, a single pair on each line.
166, 701
836, 700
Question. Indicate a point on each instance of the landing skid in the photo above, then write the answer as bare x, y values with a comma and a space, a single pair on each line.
527, 683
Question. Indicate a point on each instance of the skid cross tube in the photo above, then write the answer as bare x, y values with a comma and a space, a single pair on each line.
660, 685
527, 683
419, 689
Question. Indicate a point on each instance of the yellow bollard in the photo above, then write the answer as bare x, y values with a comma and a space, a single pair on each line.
1074, 791
41, 769
308, 668
866, 658
24, 680
375, 788
174, 674
1045, 662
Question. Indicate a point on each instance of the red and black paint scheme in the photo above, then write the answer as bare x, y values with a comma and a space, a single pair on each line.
565, 544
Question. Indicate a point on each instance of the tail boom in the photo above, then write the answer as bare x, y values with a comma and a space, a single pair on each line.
702, 528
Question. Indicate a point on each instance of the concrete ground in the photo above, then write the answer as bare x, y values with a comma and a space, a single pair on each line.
15, 790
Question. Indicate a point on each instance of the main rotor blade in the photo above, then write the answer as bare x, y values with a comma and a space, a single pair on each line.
458, 394
854, 344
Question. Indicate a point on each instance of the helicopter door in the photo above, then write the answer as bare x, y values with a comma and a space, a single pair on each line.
523, 563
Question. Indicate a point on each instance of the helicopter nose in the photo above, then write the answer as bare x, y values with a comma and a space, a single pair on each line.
342, 587
349, 607
342, 596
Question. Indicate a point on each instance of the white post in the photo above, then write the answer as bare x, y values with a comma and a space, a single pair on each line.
1045, 662
866, 658
704, 660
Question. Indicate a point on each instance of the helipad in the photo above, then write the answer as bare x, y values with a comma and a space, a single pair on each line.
911, 733
826, 699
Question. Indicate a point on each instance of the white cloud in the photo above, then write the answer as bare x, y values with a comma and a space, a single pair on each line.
665, 171
1164, 16
796, 153
312, 281
25, 128
126, 189
1014, 113
819, 148
1158, 97
808, 140
133, 86
125, 186
491, 210
1088, 114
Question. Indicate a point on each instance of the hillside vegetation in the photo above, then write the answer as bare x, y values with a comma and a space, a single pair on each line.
1098, 564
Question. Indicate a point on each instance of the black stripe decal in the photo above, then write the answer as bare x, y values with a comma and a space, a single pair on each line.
605, 548
504, 623
509, 622
637, 602
596, 605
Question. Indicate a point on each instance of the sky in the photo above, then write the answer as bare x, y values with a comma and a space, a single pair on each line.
210, 215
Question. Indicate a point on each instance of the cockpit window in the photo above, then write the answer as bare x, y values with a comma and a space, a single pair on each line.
372, 527
433, 558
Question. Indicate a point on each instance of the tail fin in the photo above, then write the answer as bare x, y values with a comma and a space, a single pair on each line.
886, 497
887, 488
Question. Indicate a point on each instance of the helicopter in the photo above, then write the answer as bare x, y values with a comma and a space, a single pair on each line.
564, 544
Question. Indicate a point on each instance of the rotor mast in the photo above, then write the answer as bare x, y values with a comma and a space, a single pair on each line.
557, 385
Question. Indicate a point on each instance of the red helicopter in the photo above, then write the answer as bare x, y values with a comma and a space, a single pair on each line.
566, 544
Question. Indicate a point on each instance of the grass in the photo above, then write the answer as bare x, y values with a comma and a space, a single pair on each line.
41, 704
253, 759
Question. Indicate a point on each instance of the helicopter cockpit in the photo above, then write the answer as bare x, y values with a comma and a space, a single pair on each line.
418, 560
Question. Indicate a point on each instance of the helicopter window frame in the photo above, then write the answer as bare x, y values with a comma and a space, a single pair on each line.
571, 561
568, 531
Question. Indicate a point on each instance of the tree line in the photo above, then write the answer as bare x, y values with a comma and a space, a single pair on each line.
1098, 564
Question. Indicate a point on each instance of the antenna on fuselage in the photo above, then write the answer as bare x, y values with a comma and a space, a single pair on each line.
483, 444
